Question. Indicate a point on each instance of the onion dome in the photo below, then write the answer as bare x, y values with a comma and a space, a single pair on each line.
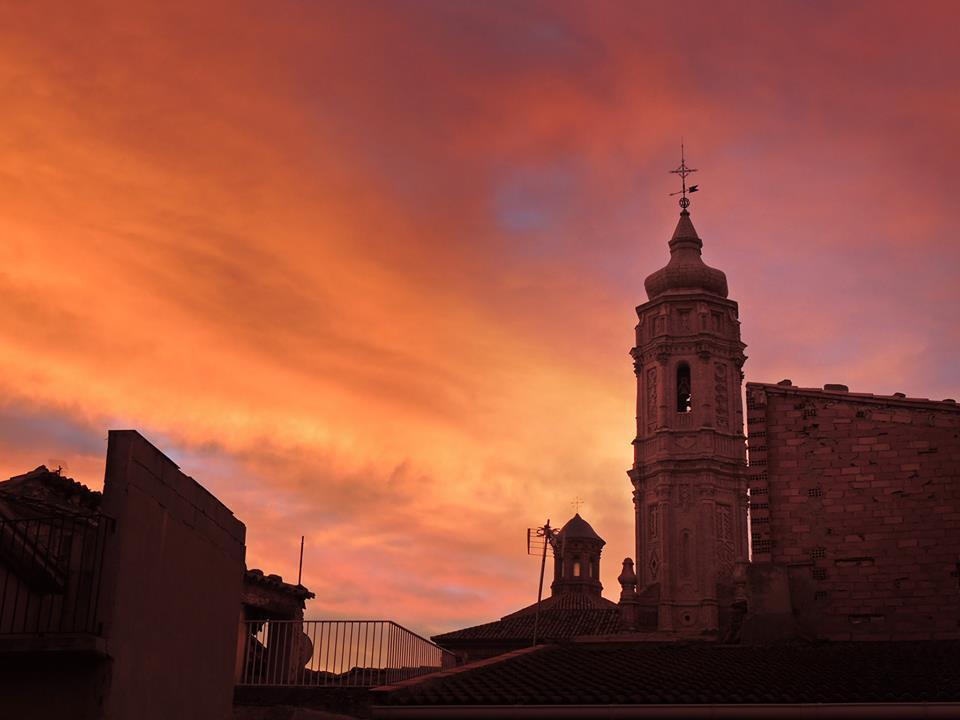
686, 271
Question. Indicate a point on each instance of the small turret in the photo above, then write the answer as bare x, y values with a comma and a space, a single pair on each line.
576, 565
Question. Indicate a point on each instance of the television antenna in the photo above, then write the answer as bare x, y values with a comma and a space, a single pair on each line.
538, 540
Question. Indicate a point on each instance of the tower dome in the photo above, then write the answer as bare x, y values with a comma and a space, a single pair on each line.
577, 559
577, 527
686, 271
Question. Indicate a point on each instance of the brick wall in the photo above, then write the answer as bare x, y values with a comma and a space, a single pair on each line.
859, 497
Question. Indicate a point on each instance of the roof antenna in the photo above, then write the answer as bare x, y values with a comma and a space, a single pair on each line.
300, 571
547, 537
683, 171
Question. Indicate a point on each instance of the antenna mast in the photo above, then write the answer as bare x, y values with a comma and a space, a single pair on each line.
300, 571
535, 536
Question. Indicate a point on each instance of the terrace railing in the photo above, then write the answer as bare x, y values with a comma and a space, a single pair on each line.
344, 653
50, 574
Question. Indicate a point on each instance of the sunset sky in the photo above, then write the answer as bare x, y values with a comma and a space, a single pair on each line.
368, 270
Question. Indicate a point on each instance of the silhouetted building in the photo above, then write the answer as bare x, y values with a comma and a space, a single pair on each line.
688, 475
854, 519
120, 605
575, 607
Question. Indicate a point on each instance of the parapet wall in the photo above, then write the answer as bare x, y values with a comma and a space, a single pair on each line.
173, 577
859, 497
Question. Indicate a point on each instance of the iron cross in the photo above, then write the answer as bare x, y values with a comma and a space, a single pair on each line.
683, 171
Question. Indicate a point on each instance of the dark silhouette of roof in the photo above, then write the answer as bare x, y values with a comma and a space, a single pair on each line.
703, 673
255, 576
46, 490
577, 527
570, 601
555, 624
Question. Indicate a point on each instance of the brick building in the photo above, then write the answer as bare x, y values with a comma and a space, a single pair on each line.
854, 498
858, 496
850, 501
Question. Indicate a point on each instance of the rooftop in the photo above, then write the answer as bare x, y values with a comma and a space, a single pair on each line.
836, 391
642, 673
256, 576
42, 490
577, 527
562, 617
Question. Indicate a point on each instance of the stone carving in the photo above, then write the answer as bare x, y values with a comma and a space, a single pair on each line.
685, 554
722, 403
724, 527
684, 495
651, 399
652, 520
654, 564
627, 579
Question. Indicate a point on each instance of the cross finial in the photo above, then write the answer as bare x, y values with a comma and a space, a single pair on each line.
576, 503
683, 171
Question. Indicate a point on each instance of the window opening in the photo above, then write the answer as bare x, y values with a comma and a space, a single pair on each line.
683, 388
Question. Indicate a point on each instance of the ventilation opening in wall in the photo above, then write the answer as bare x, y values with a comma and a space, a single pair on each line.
818, 553
819, 573
762, 546
684, 389
821, 596
815, 492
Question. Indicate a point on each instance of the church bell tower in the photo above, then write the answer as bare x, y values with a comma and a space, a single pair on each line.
688, 474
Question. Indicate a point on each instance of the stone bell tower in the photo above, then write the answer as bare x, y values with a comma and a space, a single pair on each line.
688, 475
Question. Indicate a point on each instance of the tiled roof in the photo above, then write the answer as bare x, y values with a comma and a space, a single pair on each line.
555, 624
275, 582
568, 601
46, 491
577, 527
677, 673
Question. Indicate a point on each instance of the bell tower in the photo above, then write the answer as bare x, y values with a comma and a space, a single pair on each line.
688, 474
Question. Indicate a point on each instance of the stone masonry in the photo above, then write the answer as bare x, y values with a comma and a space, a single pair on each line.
858, 496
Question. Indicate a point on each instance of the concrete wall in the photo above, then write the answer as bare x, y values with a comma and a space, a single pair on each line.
173, 576
858, 496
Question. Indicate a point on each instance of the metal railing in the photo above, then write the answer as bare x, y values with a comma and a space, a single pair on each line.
344, 653
50, 573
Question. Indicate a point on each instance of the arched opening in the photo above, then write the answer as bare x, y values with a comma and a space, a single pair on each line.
576, 568
684, 390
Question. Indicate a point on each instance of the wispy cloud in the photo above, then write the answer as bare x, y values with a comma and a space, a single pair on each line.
368, 272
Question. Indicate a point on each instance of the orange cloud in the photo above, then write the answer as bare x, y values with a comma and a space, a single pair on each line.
368, 272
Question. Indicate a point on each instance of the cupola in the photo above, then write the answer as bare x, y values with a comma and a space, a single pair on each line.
577, 558
686, 272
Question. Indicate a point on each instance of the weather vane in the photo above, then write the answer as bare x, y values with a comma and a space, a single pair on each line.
683, 171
